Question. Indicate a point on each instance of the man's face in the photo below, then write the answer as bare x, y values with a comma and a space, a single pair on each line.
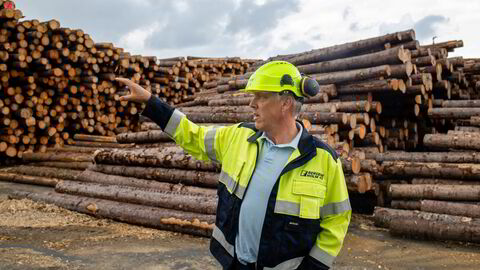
267, 110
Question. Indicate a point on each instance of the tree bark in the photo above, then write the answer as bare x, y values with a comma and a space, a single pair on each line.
64, 165
385, 57
164, 219
48, 172
151, 136
63, 157
173, 157
451, 208
435, 230
441, 157
370, 86
28, 179
100, 144
185, 177
408, 205
101, 178
444, 170
348, 49
438, 192
453, 113
352, 75
142, 196
94, 138
443, 141
439, 181
328, 118
461, 103
384, 216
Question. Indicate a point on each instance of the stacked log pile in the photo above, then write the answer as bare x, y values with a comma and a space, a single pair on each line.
380, 97
56, 81
171, 199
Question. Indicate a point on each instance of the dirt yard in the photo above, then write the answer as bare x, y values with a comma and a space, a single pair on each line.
40, 236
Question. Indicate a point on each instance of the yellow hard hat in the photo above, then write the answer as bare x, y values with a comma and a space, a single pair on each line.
279, 76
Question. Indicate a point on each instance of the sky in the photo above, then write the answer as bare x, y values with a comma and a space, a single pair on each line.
258, 28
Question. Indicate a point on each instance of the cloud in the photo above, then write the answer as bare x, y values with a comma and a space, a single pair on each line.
426, 27
207, 22
346, 13
406, 22
256, 19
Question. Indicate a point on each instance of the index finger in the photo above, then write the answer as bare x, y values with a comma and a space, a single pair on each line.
124, 81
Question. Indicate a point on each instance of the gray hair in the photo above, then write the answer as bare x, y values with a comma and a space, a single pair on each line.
297, 104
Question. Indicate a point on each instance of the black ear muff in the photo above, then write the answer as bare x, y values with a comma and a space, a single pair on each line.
309, 87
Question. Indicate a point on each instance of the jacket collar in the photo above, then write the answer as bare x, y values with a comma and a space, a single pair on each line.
305, 145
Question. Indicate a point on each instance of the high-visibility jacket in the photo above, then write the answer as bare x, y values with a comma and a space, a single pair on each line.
308, 209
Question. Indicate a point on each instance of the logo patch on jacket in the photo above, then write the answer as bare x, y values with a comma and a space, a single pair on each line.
311, 174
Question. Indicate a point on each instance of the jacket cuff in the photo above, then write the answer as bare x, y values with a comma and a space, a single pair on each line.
310, 263
158, 111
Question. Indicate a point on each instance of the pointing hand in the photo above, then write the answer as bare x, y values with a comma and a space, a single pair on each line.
137, 93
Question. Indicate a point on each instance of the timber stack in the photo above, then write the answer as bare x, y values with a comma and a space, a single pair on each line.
56, 81
152, 193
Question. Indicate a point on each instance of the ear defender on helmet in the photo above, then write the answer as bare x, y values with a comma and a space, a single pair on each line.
308, 86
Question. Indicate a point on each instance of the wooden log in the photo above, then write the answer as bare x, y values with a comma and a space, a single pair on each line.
370, 86
100, 144
475, 121
443, 141
176, 176
436, 192
328, 118
384, 216
28, 179
439, 170
220, 117
94, 138
63, 157
168, 158
461, 103
360, 183
451, 208
48, 172
350, 49
165, 219
408, 205
72, 148
151, 136
148, 197
441, 157
435, 230
386, 57
401, 71
352, 75
440, 181
453, 113
351, 165
64, 165
101, 178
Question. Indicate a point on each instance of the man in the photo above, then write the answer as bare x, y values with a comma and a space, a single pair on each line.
282, 197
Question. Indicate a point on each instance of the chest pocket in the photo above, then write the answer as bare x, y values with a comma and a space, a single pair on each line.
312, 196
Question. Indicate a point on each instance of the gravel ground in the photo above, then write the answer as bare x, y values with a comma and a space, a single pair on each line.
40, 236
